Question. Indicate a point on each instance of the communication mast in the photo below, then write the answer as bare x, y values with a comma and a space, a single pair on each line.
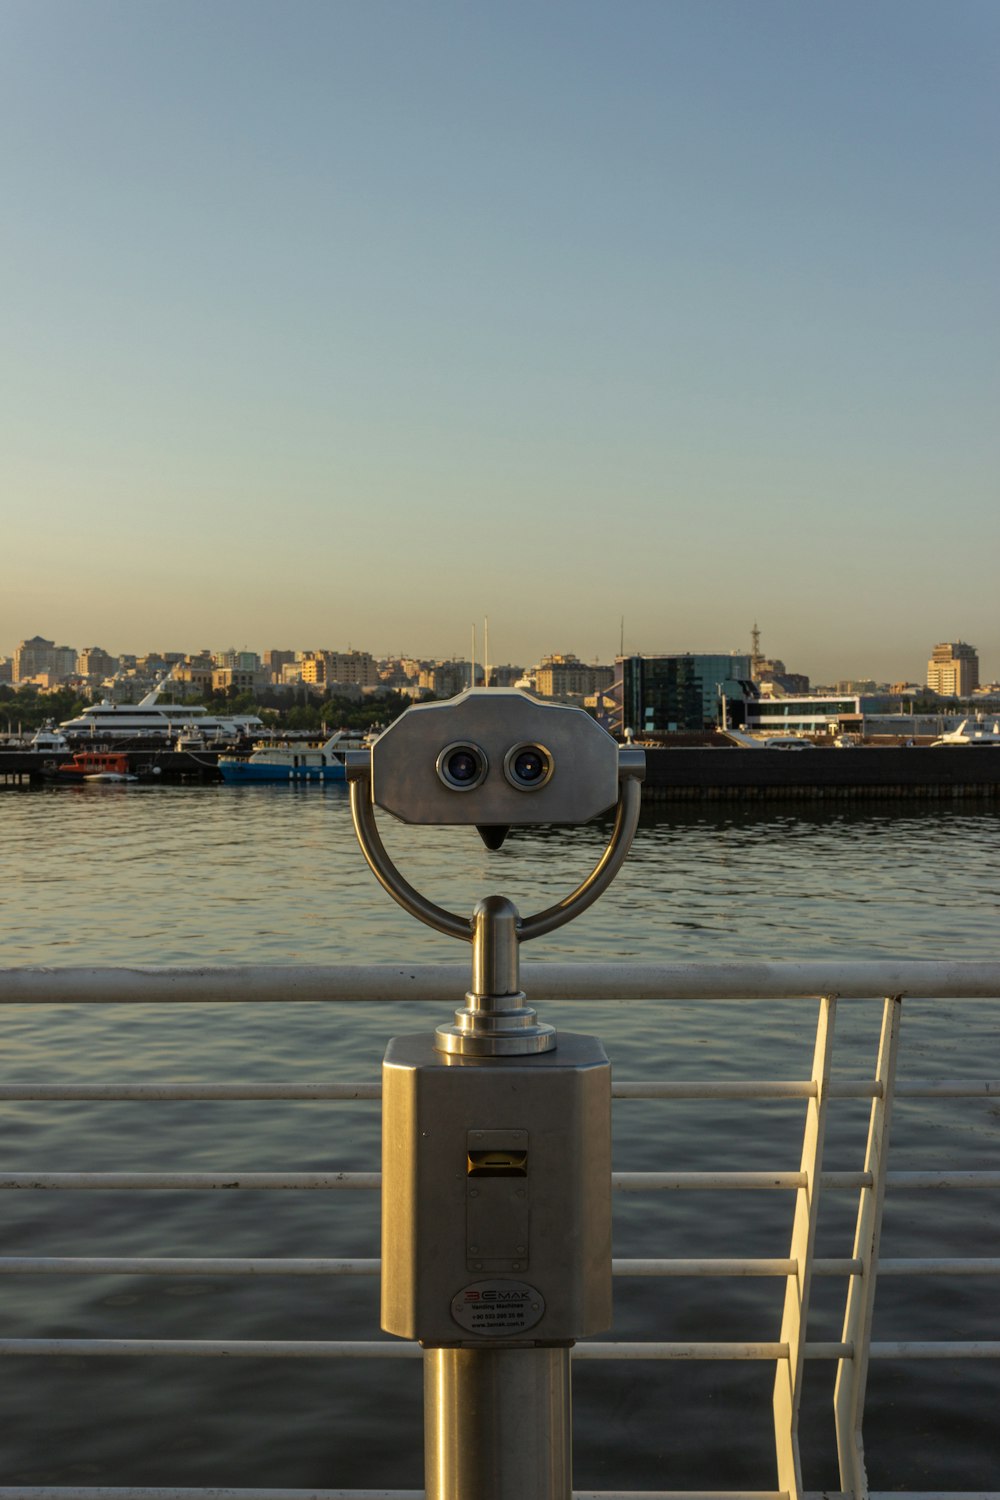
755, 656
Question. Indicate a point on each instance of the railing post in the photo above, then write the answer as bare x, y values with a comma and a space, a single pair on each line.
788, 1374
852, 1372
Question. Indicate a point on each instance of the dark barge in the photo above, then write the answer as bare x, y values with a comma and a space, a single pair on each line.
863, 773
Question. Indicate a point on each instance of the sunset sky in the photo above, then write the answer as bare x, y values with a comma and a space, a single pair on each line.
348, 324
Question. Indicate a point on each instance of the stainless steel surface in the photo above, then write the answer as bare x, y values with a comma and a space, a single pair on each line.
536, 1211
496, 1020
408, 777
494, 949
497, 1424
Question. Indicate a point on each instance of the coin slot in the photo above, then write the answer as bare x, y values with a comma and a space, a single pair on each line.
497, 1163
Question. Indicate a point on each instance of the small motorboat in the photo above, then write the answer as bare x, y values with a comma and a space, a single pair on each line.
95, 765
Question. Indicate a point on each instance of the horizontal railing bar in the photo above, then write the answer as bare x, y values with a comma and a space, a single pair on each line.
161, 1492
743, 1089
325, 1181
744, 980
130, 1181
637, 1182
15, 1092
704, 1350
401, 1349
137, 1265
365, 1349
704, 1267
216, 1348
626, 1182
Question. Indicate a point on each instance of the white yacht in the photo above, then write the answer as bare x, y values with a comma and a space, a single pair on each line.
150, 719
971, 732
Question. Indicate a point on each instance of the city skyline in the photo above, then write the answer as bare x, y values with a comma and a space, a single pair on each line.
942, 655
356, 324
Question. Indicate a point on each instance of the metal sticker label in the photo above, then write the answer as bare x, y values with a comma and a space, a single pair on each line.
498, 1308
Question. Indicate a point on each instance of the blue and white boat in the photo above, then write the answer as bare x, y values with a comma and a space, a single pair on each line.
285, 762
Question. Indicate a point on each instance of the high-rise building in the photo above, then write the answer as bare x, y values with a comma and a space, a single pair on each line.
236, 661
667, 694
94, 661
953, 670
39, 657
445, 679
566, 676
352, 666
275, 659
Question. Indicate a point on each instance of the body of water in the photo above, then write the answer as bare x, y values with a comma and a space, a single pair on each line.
174, 875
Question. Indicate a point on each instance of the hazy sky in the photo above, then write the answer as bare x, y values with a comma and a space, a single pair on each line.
332, 324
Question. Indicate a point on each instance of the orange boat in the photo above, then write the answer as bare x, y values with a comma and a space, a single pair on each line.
96, 765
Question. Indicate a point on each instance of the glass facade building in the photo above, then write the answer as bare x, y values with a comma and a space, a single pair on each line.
814, 715
672, 694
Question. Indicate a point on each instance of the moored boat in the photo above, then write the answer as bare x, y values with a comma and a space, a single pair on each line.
152, 720
975, 732
95, 765
285, 762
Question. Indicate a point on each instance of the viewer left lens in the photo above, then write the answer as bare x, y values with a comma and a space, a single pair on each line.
462, 767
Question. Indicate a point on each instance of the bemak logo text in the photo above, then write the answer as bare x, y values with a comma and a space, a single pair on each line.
495, 1296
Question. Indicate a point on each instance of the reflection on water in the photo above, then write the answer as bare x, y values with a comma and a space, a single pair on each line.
177, 875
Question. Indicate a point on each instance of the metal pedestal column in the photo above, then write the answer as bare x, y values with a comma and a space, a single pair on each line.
497, 1424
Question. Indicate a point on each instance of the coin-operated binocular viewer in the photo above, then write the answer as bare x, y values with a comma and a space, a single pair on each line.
496, 1128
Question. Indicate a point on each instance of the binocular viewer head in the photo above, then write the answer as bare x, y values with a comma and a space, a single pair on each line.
494, 758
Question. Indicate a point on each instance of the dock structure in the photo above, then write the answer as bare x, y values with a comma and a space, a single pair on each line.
863, 773
24, 768
686, 774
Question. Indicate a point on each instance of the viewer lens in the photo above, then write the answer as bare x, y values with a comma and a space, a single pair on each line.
527, 767
462, 767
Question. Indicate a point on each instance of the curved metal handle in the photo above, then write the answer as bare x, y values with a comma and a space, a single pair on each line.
600, 877
410, 899
385, 871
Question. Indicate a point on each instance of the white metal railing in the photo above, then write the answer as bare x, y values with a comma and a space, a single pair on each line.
825, 982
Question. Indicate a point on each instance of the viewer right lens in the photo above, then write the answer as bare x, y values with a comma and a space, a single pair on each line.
527, 767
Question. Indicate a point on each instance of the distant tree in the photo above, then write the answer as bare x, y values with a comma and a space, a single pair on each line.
31, 709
